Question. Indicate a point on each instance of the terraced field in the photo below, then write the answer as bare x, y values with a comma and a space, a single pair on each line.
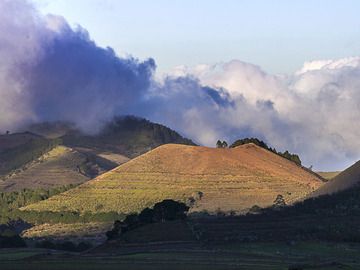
58, 167
61, 166
92, 232
212, 179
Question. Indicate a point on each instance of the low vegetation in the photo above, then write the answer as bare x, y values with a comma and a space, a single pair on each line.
10, 202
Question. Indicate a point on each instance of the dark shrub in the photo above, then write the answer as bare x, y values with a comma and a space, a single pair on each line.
170, 210
146, 216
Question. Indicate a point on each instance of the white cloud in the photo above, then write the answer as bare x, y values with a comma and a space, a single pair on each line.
313, 111
49, 71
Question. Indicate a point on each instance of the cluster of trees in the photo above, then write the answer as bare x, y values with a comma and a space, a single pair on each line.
10, 202
221, 144
163, 211
293, 157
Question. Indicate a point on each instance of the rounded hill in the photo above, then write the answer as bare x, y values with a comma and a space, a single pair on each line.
209, 179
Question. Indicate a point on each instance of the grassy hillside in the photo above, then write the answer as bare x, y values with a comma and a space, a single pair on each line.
209, 178
60, 166
346, 179
29, 160
75, 232
18, 149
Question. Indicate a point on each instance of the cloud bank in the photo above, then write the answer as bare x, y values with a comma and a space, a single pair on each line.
50, 71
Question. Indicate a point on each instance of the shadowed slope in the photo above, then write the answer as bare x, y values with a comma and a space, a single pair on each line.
347, 179
226, 179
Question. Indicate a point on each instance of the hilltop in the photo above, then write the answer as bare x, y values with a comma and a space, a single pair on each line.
209, 179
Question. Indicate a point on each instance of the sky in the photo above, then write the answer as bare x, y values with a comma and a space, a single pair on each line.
286, 72
278, 35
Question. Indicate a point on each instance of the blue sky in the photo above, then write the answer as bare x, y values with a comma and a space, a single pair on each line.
277, 35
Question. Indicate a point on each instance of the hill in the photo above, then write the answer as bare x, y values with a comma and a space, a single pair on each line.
59, 166
18, 149
57, 153
348, 178
209, 179
127, 135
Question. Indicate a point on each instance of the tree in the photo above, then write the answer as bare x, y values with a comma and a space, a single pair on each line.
146, 216
132, 220
222, 144
279, 201
170, 210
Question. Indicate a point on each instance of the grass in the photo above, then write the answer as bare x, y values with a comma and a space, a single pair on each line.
55, 168
18, 149
312, 255
230, 179
92, 232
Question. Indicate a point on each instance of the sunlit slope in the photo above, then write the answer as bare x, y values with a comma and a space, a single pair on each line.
328, 175
229, 179
348, 178
58, 167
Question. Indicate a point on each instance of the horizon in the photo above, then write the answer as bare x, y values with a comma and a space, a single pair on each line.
292, 83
